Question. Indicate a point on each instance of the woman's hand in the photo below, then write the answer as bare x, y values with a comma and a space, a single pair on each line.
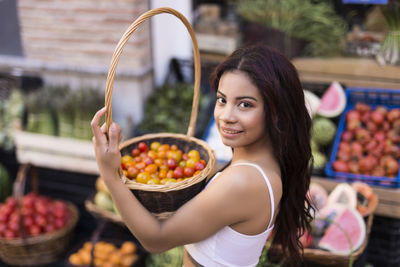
107, 152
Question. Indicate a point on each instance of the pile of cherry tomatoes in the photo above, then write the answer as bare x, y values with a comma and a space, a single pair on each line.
39, 214
161, 163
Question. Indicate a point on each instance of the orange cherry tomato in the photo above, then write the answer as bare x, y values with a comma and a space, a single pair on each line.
152, 168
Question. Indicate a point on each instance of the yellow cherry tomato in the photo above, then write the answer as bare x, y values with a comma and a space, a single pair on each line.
155, 145
194, 154
143, 177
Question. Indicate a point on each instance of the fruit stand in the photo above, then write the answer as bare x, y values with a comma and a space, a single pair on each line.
67, 168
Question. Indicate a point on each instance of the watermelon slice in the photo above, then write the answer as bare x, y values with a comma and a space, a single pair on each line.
336, 241
344, 194
312, 102
333, 101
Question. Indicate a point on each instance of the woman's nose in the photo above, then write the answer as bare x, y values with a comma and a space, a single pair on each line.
228, 114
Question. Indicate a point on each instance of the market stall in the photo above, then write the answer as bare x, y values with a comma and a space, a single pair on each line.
345, 54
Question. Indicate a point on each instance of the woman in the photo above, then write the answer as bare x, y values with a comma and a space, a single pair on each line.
260, 113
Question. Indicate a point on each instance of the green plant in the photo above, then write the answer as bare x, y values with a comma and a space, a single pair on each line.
11, 111
314, 21
41, 109
60, 110
169, 107
390, 49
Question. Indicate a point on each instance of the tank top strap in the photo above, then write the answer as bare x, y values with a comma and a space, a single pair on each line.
271, 193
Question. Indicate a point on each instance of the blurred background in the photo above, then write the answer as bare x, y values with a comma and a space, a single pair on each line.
55, 56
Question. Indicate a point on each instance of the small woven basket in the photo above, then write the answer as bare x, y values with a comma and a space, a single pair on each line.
101, 213
41, 249
324, 257
328, 258
163, 200
320, 257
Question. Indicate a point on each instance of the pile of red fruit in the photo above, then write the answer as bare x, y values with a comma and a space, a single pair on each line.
369, 145
39, 214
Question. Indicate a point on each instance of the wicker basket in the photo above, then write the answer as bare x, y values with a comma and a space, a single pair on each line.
323, 257
327, 258
98, 212
320, 257
41, 249
163, 200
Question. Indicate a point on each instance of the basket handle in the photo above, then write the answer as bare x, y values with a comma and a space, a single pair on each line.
18, 191
118, 51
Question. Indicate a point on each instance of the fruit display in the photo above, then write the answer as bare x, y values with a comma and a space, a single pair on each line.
40, 215
105, 254
351, 226
343, 194
369, 143
323, 112
323, 131
333, 101
312, 102
161, 163
338, 219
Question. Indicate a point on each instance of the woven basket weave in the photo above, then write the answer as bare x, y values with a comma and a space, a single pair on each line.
163, 200
41, 249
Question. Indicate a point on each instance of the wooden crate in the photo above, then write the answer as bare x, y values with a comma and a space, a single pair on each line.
217, 43
56, 152
388, 198
352, 72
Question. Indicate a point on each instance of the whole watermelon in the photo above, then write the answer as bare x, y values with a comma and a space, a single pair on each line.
5, 183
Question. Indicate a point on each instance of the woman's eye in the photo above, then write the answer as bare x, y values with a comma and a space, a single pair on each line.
245, 105
221, 100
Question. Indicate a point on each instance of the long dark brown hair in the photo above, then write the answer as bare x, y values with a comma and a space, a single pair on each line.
288, 127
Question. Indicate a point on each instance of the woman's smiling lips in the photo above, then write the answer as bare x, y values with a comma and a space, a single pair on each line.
228, 132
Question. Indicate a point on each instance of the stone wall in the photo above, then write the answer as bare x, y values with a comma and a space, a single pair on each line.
83, 32
71, 42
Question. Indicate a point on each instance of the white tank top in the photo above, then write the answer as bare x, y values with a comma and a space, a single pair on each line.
228, 247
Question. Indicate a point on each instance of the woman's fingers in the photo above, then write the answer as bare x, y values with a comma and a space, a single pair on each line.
95, 124
115, 134
104, 128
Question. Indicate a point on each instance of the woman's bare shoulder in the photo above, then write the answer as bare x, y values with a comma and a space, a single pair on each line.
248, 179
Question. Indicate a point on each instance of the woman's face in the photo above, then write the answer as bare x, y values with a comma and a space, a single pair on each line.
239, 111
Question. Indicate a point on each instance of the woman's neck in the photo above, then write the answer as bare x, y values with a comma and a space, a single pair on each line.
263, 156
260, 152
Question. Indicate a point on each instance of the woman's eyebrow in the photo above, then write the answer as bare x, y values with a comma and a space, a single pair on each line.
219, 92
239, 97
246, 97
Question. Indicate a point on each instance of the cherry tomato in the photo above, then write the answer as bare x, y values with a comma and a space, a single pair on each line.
143, 147
194, 154
178, 172
151, 168
143, 177
154, 146
172, 164
132, 172
188, 172
135, 152
199, 166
